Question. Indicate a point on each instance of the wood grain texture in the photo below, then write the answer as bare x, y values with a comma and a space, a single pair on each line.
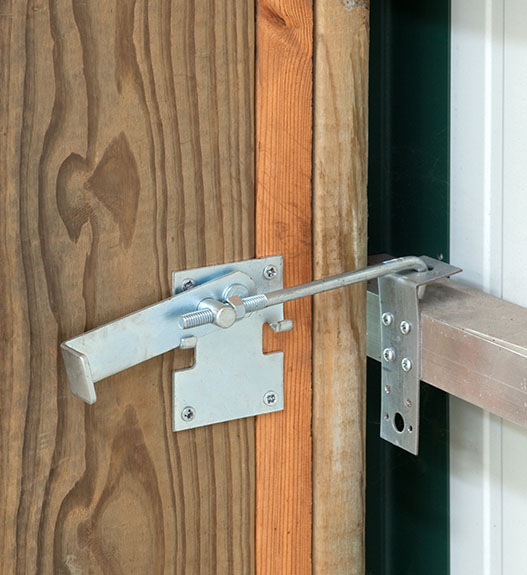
283, 226
339, 318
126, 152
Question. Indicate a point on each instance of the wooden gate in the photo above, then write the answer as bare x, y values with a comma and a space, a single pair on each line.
128, 150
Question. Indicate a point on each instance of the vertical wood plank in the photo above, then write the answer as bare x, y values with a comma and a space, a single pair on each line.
339, 326
126, 152
283, 226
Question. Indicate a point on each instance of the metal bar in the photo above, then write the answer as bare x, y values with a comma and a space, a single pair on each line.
132, 339
474, 346
346, 279
277, 297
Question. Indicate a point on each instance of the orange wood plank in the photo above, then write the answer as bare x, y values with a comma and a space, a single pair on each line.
283, 226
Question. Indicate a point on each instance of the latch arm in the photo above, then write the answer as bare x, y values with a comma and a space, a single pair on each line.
139, 336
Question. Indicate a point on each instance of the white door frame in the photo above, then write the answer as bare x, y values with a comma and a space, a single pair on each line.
488, 238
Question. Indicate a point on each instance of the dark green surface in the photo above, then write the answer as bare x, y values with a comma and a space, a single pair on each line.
407, 530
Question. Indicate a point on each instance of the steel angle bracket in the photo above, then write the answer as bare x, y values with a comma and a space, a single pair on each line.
231, 377
399, 296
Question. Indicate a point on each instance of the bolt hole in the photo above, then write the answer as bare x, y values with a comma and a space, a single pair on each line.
430, 268
410, 428
398, 422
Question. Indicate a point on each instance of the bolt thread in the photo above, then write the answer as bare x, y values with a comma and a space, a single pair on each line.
255, 302
206, 316
196, 318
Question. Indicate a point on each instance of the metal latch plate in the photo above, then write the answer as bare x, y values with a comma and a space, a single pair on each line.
231, 377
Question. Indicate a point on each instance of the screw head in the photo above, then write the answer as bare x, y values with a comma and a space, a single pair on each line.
406, 364
387, 319
188, 413
270, 272
270, 398
406, 327
187, 284
408, 403
388, 354
387, 388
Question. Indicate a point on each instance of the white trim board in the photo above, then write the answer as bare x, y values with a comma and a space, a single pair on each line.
488, 457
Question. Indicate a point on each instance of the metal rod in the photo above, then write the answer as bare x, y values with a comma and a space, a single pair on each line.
346, 279
262, 301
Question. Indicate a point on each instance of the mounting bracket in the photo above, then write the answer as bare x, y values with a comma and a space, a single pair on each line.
401, 351
231, 377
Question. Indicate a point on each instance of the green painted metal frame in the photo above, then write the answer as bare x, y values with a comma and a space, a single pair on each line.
407, 497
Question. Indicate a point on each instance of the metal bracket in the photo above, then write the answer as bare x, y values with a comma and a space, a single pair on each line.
231, 377
401, 351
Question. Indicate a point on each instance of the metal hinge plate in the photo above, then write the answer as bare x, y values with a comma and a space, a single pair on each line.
231, 377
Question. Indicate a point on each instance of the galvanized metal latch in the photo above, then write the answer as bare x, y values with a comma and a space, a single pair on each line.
220, 311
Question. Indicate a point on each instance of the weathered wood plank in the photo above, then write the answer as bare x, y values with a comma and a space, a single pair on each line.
126, 151
283, 226
339, 327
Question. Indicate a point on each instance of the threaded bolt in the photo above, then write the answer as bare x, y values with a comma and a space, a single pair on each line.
255, 302
206, 316
196, 318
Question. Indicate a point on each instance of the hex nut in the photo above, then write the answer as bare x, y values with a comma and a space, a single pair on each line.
235, 289
237, 305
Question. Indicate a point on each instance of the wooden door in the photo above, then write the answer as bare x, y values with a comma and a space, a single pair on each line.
138, 138
127, 152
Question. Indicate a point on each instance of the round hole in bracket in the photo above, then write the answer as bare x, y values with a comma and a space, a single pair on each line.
410, 429
398, 422
430, 268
